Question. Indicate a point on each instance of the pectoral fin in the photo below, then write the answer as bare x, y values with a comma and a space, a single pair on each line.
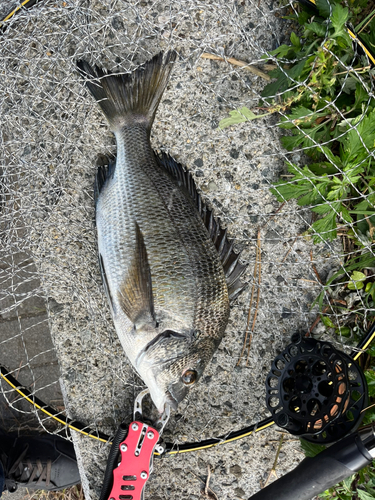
135, 294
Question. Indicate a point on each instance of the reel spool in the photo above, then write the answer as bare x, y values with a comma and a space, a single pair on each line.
315, 391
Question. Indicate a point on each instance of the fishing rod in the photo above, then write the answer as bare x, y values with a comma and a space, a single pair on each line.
315, 475
351, 450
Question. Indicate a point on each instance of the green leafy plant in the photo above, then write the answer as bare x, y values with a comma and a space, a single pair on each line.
322, 89
359, 486
330, 115
239, 116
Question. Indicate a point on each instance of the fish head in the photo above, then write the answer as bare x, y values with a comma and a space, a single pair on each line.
172, 364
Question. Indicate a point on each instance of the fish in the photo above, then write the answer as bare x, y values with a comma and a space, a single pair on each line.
168, 269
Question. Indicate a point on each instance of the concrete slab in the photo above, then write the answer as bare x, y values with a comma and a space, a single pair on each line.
26, 349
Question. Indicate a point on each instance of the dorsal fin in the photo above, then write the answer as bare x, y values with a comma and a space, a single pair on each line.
229, 258
103, 173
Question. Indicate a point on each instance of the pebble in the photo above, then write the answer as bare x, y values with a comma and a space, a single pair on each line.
239, 492
286, 312
212, 186
236, 470
163, 19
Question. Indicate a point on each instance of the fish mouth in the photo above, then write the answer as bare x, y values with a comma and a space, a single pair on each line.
170, 398
177, 391
171, 401
163, 400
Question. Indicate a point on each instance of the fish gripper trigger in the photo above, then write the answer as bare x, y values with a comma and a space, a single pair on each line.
135, 467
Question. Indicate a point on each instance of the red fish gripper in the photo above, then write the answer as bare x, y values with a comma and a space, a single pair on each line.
135, 467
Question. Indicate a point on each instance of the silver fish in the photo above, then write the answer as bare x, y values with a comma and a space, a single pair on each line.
168, 269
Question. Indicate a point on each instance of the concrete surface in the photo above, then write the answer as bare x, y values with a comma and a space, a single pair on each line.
26, 351
26, 348
52, 135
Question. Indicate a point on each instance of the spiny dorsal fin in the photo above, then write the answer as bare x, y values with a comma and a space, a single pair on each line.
135, 294
103, 173
230, 259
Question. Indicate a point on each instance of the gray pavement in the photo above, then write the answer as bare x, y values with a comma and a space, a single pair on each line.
26, 348
26, 351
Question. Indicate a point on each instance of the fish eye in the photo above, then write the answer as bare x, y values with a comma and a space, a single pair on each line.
189, 377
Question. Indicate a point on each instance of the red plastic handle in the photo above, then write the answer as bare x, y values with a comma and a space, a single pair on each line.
130, 477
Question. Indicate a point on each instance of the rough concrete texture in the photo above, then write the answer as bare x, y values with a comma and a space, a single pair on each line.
26, 350
52, 135
25, 339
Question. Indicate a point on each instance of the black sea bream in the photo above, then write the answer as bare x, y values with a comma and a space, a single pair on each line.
166, 264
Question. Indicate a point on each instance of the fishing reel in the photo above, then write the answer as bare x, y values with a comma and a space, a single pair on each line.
315, 391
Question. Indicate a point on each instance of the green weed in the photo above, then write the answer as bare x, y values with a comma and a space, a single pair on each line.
322, 87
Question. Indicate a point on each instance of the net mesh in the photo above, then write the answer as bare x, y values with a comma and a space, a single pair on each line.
57, 335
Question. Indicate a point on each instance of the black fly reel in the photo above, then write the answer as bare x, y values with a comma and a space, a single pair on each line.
316, 391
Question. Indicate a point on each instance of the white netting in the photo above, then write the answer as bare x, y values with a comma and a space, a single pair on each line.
52, 133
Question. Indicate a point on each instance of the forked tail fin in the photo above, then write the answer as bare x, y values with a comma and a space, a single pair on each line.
131, 97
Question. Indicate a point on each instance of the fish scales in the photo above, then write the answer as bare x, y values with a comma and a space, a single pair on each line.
160, 266
182, 258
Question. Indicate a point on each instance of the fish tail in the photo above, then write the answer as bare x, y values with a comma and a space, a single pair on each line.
125, 98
